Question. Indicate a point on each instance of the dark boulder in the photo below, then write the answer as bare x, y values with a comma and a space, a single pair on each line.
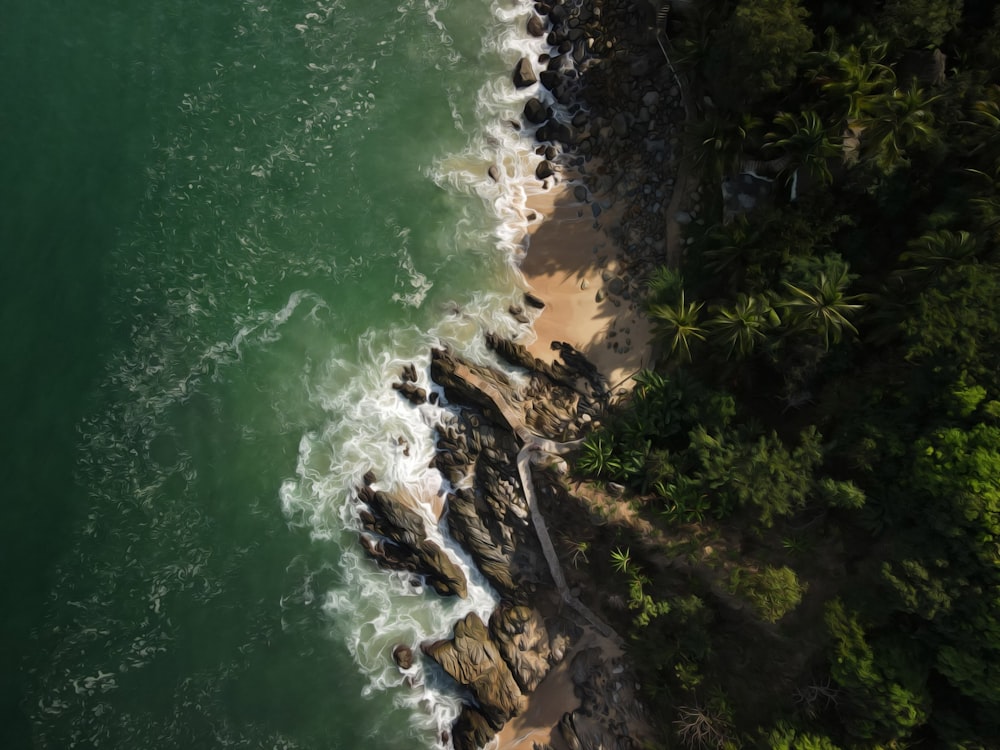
412, 393
533, 301
550, 79
544, 169
524, 74
536, 26
403, 656
535, 112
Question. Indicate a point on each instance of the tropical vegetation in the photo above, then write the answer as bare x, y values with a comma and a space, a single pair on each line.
819, 446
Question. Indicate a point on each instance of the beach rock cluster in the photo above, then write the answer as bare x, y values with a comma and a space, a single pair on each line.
480, 434
608, 111
473, 659
396, 539
505, 660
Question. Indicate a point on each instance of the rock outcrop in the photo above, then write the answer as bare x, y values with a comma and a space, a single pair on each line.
523, 640
471, 730
403, 656
524, 74
401, 543
473, 659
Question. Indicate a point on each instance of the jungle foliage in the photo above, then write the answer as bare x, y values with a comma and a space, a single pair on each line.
821, 440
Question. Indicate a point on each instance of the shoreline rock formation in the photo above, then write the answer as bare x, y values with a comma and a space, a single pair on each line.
489, 426
618, 133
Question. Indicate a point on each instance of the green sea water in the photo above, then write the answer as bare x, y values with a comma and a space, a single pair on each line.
225, 227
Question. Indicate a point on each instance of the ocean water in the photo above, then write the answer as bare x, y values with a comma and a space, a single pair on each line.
226, 226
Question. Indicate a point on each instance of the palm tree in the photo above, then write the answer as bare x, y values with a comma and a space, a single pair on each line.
886, 309
980, 129
854, 81
899, 122
726, 247
823, 307
743, 326
933, 252
718, 141
679, 325
807, 141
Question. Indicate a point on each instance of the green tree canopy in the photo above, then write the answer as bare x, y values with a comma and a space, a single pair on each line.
919, 23
756, 52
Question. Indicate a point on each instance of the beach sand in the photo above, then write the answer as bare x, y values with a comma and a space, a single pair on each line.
570, 258
571, 264
554, 697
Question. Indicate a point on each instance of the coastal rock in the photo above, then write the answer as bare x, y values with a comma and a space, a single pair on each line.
536, 26
544, 169
581, 732
454, 377
412, 393
489, 545
517, 313
404, 544
471, 730
520, 634
535, 112
553, 130
494, 173
403, 656
524, 74
619, 124
519, 356
473, 660
606, 690
533, 301
550, 79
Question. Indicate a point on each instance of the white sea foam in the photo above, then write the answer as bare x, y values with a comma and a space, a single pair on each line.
199, 307
497, 143
371, 428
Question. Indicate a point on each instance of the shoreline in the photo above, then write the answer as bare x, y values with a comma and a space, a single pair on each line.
575, 267
540, 676
587, 258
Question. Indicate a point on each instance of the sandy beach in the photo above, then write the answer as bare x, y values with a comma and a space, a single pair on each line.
570, 264
573, 265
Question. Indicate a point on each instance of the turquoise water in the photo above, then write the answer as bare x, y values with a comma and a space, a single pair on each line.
225, 228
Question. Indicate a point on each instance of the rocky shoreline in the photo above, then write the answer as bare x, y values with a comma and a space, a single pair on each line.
535, 625
605, 113
625, 110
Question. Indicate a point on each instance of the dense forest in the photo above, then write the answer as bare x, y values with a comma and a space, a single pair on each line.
816, 458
